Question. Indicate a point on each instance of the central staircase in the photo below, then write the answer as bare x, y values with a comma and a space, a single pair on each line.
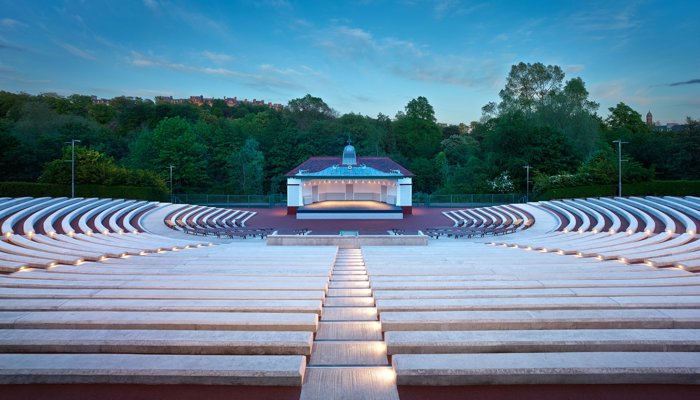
349, 359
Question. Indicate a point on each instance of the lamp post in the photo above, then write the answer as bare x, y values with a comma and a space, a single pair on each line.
171, 182
619, 165
72, 166
527, 183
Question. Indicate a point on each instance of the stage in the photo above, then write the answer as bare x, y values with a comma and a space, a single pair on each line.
349, 209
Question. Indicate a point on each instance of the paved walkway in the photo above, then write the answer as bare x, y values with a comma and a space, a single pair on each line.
277, 217
349, 359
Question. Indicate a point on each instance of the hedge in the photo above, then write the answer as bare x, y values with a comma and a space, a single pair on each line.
20, 189
652, 188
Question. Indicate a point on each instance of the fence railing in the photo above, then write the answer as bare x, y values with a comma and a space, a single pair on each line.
466, 200
232, 200
277, 200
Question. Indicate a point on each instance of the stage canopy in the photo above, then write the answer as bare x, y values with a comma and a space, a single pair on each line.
349, 178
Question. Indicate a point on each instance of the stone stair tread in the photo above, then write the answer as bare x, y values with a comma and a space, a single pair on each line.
376, 383
349, 302
349, 330
349, 314
349, 353
349, 292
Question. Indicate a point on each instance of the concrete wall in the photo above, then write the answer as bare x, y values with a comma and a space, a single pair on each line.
347, 241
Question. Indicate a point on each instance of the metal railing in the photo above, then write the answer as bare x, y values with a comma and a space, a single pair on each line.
466, 200
277, 200
232, 200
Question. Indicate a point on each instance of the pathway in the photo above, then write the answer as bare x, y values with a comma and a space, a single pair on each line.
349, 359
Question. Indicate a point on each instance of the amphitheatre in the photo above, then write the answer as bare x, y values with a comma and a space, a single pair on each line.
582, 298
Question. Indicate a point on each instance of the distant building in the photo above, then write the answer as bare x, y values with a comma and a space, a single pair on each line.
650, 120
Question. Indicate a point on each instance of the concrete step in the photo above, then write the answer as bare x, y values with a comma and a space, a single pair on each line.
375, 383
541, 319
547, 368
349, 314
267, 305
539, 303
347, 353
150, 369
349, 293
348, 302
349, 330
154, 342
541, 341
344, 272
180, 283
342, 278
539, 292
158, 320
184, 294
348, 285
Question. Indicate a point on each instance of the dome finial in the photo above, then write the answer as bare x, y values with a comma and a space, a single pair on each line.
349, 155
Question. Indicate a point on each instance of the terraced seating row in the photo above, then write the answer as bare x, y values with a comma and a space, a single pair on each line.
43, 232
497, 220
658, 231
470, 314
224, 315
204, 218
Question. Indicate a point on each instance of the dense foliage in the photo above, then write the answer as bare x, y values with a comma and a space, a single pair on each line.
541, 120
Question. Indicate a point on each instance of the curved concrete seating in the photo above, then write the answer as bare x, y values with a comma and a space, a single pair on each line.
151, 369
54, 257
62, 252
13, 214
11, 266
542, 341
183, 320
155, 341
547, 368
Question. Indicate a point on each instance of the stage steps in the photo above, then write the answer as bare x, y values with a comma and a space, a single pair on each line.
349, 359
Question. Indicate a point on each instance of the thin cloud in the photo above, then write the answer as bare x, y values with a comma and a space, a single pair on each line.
404, 58
218, 58
445, 8
690, 82
85, 54
10, 23
152, 4
267, 77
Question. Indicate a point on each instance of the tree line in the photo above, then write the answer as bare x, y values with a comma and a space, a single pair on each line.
541, 120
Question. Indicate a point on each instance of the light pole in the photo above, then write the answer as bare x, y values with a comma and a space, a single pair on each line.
619, 165
72, 166
527, 183
171, 182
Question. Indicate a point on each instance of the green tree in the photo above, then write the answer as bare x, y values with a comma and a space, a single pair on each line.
247, 164
417, 134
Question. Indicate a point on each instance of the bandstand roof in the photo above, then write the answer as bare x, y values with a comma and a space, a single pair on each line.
366, 167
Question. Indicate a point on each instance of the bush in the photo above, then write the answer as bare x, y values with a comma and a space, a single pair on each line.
21, 189
651, 188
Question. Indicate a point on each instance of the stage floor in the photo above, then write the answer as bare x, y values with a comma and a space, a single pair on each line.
349, 209
349, 205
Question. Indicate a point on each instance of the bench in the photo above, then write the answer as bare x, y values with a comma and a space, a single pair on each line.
547, 368
151, 369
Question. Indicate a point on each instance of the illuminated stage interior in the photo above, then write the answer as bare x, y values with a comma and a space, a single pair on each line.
349, 209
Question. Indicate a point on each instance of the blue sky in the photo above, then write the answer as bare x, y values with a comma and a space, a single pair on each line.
358, 56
